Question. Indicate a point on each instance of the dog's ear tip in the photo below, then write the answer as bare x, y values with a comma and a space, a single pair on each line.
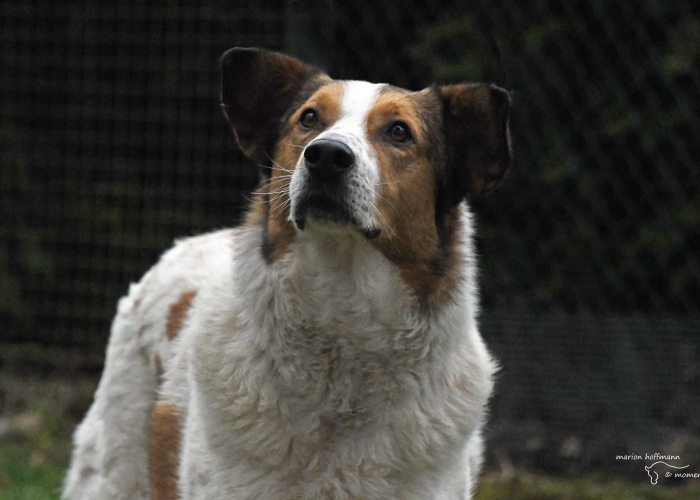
238, 67
240, 50
237, 55
502, 96
498, 88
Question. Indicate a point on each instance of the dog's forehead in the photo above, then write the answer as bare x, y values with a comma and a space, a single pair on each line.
357, 99
354, 100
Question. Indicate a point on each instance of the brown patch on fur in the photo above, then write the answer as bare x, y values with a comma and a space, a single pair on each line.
163, 451
274, 195
141, 331
406, 198
178, 313
159, 366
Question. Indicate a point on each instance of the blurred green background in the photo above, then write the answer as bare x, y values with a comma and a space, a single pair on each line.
112, 144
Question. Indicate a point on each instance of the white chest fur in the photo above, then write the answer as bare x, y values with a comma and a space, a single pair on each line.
321, 377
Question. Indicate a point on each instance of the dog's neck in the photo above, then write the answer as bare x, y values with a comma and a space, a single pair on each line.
340, 270
329, 279
334, 298
341, 330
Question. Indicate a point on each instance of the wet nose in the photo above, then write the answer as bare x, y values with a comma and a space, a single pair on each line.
327, 157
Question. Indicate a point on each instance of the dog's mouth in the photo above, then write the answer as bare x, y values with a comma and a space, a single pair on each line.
326, 210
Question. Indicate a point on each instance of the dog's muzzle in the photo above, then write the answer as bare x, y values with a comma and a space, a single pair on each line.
328, 196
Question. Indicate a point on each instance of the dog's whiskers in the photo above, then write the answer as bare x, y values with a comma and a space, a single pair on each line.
384, 199
277, 164
281, 208
389, 230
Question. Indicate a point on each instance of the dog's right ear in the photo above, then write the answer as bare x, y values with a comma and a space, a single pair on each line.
476, 118
257, 87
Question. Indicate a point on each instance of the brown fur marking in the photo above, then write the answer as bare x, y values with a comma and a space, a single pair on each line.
407, 197
163, 452
293, 139
178, 313
159, 366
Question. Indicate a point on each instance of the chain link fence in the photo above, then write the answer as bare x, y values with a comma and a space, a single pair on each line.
112, 144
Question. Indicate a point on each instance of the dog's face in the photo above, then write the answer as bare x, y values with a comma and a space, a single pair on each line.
338, 178
380, 161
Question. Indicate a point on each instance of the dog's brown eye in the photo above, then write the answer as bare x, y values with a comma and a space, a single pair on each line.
399, 132
308, 119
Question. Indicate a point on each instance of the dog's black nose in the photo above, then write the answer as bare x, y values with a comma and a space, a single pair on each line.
326, 157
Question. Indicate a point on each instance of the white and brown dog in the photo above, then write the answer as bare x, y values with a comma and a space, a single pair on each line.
328, 348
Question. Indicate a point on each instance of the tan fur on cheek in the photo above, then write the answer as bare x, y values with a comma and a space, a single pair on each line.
280, 232
275, 201
406, 203
178, 313
163, 456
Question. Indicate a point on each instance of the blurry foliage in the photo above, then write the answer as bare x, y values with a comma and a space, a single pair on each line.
603, 197
101, 241
120, 147
442, 50
96, 238
683, 55
22, 259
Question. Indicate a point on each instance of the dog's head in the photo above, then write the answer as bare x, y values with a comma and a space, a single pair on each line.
382, 162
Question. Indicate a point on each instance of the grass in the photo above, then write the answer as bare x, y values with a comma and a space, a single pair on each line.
34, 451
29, 475
37, 417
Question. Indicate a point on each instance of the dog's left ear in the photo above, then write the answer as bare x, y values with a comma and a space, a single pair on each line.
477, 137
257, 87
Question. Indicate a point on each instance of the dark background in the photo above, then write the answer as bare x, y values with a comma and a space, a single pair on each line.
112, 144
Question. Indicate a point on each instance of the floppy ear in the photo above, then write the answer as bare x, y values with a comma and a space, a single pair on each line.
257, 87
477, 137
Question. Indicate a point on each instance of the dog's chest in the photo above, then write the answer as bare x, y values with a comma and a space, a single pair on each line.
312, 373
340, 383
335, 421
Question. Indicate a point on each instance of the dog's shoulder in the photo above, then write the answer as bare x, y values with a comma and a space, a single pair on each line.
157, 308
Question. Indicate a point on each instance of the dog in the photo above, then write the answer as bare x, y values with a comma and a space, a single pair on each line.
328, 347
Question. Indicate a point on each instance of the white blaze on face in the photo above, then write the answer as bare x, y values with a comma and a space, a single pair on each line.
356, 101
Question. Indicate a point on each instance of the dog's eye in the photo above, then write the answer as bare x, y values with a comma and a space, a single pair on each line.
308, 119
399, 132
